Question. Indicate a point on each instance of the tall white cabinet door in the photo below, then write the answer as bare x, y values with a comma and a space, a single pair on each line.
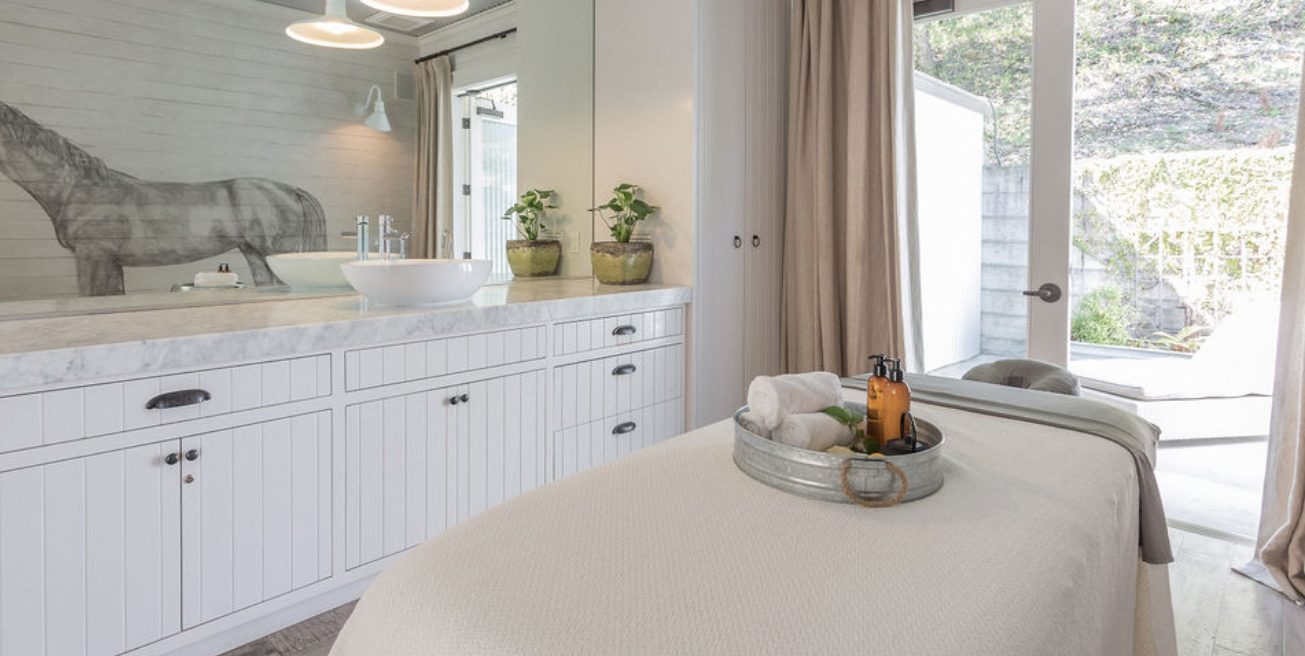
418, 464
256, 514
90, 553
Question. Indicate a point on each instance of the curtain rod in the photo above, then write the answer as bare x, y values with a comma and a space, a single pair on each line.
496, 35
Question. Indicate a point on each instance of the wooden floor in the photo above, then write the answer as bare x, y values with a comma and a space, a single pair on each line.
1217, 612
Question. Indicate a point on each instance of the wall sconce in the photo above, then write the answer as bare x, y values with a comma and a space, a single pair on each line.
377, 120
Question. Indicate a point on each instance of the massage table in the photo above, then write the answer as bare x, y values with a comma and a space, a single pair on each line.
1030, 547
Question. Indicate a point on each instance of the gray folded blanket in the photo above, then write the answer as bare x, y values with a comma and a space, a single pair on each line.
1075, 413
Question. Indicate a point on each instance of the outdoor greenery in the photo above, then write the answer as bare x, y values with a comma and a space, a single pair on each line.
1103, 317
529, 212
1184, 124
1152, 75
627, 211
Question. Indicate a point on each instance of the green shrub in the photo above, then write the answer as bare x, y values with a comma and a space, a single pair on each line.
1103, 317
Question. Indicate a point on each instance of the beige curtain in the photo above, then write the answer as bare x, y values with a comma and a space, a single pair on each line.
842, 271
432, 213
1281, 542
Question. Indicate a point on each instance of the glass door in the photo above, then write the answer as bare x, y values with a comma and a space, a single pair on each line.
994, 136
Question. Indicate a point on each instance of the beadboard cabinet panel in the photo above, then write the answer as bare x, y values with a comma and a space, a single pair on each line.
399, 363
90, 558
256, 505
577, 448
418, 464
74, 413
594, 389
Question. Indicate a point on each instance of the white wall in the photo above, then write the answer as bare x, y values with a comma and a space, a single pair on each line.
949, 178
195, 90
555, 123
644, 83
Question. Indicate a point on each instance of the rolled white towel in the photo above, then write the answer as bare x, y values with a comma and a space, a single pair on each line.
816, 431
749, 421
772, 398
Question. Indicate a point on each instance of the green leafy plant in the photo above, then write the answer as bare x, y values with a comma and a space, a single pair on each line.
1103, 317
1187, 340
529, 212
627, 210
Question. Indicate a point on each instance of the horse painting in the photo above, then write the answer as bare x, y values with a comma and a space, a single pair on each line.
109, 219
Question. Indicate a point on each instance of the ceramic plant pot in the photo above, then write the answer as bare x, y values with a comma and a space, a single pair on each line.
533, 258
617, 263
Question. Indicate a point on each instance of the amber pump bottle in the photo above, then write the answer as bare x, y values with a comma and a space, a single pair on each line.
896, 401
874, 402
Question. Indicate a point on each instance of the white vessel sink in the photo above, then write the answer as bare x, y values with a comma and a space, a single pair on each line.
313, 270
417, 282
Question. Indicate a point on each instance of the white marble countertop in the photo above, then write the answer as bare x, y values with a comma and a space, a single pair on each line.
47, 351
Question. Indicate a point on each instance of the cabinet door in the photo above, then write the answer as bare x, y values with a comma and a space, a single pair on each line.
256, 513
418, 464
90, 553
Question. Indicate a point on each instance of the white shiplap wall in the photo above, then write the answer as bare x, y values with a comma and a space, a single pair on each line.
189, 91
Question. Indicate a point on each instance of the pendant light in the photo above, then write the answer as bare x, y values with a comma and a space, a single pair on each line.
421, 8
333, 29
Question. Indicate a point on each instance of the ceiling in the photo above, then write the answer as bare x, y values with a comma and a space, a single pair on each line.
400, 24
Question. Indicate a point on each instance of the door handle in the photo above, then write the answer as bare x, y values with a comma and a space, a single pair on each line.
1049, 292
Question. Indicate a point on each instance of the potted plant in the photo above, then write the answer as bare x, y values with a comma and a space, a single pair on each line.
531, 256
621, 261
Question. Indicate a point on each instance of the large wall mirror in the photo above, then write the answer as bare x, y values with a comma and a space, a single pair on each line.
143, 143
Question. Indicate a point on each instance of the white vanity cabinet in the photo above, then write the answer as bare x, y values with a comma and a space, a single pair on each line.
192, 510
422, 462
103, 553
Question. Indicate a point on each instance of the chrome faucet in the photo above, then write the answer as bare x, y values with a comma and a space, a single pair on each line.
361, 235
388, 235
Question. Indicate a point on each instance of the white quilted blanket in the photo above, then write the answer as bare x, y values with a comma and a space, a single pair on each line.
1029, 548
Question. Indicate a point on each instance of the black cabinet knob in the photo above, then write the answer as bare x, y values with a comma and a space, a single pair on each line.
465, 397
453, 400
171, 459
192, 455
738, 241
756, 241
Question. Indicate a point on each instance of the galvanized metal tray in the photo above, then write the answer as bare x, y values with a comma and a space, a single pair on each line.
879, 481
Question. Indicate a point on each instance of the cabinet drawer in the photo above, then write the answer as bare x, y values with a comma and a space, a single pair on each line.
595, 389
603, 332
400, 363
74, 413
578, 448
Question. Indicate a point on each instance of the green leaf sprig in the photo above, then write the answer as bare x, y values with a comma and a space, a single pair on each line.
627, 210
529, 212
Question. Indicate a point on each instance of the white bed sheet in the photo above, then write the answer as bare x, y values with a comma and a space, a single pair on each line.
1029, 548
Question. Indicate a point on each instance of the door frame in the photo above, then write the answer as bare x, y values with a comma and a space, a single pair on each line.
1050, 168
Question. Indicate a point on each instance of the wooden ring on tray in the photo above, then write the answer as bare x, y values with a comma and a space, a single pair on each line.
872, 503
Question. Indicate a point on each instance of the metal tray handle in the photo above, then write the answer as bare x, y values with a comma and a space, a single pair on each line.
850, 492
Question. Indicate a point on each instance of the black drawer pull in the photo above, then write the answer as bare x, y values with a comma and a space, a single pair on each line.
624, 330
624, 427
178, 399
624, 370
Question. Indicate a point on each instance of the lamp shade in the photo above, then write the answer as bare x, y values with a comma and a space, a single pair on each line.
423, 8
333, 29
378, 120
